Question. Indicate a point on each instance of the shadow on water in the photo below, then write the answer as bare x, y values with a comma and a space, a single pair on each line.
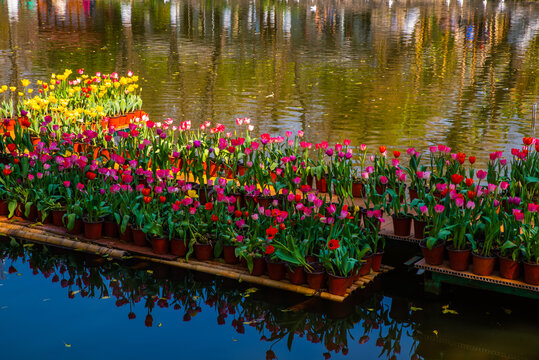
391, 319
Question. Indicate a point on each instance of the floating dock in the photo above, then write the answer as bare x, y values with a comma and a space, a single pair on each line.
56, 236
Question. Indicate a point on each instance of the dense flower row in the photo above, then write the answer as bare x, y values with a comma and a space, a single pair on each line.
268, 196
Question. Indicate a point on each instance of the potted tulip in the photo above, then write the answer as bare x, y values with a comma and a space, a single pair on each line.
530, 250
432, 246
339, 266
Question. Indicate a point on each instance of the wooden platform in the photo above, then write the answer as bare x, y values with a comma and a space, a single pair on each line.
444, 274
52, 235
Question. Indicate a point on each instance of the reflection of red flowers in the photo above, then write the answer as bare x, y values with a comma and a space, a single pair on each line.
145, 191
131, 315
270, 250
209, 206
456, 179
147, 199
270, 355
149, 320
333, 244
12, 269
90, 175
271, 231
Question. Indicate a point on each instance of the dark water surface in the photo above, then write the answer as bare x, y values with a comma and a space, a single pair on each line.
400, 73
56, 304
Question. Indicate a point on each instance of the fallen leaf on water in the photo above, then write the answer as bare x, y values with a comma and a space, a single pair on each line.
508, 311
413, 308
159, 325
67, 345
19, 274
449, 311
149, 271
44, 300
370, 309
435, 332
234, 340
3, 307
105, 297
75, 292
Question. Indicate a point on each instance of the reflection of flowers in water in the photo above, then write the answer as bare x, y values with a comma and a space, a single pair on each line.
162, 287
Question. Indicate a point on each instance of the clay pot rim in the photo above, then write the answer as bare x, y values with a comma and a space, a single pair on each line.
338, 276
530, 264
423, 244
85, 220
508, 258
483, 257
315, 265
269, 261
450, 247
402, 217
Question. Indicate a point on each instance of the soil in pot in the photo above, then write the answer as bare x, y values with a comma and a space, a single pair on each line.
459, 260
316, 276
177, 247
401, 225
275, 269
483, 265
93, 230
160, 245
338, 284
139, 237
296, 274
229, 254
509, 268
434, 256
203, 252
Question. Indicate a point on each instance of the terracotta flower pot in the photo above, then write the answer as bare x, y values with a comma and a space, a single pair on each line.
316, 276
177, 247
127, 235
110, 229
4, 210
229, 254
78, 227
377, 261
413, 193
57, 217
337, 284
401, 225
93, 230
296, 274
321, 185
434, 256
483, 265
365, 267
509, 268
531, 273
47, 220
139, 237
160, 245
358, 189
275, 269
419, 229
203, 252
259, 266
32, 214
459, 260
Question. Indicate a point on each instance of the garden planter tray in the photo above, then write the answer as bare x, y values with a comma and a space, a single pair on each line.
443, 273
51, 235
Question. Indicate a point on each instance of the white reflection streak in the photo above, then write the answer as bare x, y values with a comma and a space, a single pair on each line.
125, 10
60, 8
13, 10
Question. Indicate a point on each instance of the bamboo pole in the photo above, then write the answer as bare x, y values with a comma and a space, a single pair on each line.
35, 235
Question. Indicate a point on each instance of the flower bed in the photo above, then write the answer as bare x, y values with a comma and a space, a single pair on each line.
205, 191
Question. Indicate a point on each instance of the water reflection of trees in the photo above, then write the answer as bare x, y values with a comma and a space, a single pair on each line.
136, 285
462, 72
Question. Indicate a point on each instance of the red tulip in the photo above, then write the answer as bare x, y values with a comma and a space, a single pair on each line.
270, 250
333, 244
382, 149
471, 159
90, 175
147, 199
469, 182
396, 154
456, 178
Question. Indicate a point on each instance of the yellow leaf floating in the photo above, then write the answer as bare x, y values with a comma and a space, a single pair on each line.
105, 297
435, 332
508, 311
159, 325
447, 310
67, 345
413, 308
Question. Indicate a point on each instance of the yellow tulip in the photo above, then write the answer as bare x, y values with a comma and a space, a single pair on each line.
4, 87
25, 82
30, 91
12, 88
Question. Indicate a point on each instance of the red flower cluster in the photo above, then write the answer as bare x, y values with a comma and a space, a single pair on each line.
333, 244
